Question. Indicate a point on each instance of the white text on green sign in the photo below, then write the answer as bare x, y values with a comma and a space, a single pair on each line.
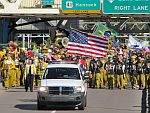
80, 4
126, 6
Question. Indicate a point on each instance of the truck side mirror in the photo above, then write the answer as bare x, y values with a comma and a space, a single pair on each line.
86, 75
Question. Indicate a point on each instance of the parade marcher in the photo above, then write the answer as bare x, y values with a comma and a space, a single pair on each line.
120, 71
92, 79
110, 69
18, 72
49, 57
22, 58
99, 76
30, 71
7, 67
82, 62
40, 69
115, 60
103, 72
35, 62
134, 74
129, 69
126, 77
87, 63
147, 72
2, 54
141, 75
13, 71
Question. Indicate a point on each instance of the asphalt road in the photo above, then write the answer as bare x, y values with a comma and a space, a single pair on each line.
16, 100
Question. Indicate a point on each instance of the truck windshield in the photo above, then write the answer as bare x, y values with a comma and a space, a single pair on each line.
61, 73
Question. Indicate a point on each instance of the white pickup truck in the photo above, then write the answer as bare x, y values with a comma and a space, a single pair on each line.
62, 84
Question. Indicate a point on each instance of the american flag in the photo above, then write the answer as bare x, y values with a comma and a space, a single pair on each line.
87, 45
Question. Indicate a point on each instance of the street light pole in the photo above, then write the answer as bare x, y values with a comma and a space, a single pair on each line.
28, 40
43, 38
23, 41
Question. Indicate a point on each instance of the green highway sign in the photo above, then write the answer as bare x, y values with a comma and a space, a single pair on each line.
47, 2
81, 6
126, 6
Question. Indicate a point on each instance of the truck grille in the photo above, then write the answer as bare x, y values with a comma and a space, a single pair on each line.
54, 90
61, 90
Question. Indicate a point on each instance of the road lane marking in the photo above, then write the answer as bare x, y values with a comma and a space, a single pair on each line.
53, 111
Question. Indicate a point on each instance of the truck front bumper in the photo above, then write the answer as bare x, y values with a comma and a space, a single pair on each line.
62, 100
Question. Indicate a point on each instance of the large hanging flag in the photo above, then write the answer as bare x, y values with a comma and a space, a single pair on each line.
104, 31
87, 44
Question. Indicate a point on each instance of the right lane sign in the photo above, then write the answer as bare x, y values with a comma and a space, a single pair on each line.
126, 6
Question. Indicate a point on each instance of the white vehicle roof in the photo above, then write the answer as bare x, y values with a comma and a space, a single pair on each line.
62, 65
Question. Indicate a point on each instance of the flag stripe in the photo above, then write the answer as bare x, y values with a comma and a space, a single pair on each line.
97, 40
88, 51
100, 38
87, 47
98, 44
94, 46
92, 36
86, 54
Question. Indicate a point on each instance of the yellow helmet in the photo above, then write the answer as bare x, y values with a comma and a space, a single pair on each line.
44, 48
133, 57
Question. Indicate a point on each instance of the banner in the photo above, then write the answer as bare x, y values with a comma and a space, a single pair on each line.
133, 43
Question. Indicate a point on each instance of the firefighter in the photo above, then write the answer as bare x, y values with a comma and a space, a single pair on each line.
3, 69
13, 72
8, 64
141, 76
103, 72
129, 68
134, 80
87, 64
18, 71
41, 65
147, 72
126, 77
2, 54
99, 76
110, 70
92, 79
115, 59
120, 71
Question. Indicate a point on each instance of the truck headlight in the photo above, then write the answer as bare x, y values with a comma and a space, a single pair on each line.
77, 89
43, 89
